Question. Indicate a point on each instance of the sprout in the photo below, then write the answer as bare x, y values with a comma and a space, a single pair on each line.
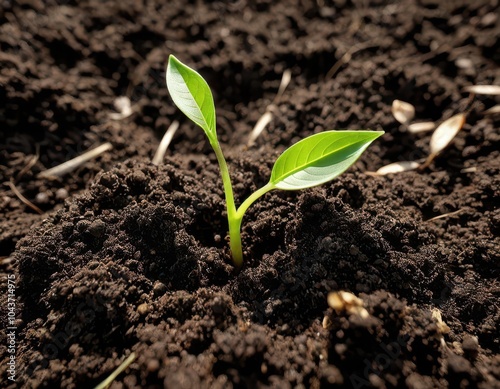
312, 161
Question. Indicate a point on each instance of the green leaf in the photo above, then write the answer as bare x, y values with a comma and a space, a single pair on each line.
319, 158
191, 93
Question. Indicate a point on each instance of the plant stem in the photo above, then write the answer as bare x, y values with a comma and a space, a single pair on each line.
233, 221
252, 198
235, 217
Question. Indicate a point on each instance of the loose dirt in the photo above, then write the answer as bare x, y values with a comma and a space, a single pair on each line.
131, 257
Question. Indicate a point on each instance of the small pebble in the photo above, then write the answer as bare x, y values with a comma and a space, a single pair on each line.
82, 225
42, 198
470, 345
458, 364
159, 288
97, 228
143, 309
217, 305
153, 365
62, 194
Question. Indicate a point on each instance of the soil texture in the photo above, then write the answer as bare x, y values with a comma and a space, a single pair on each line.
121, 256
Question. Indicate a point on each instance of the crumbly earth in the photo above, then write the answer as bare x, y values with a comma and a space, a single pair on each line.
129, 257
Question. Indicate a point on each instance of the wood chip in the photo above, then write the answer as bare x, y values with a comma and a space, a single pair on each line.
402, 111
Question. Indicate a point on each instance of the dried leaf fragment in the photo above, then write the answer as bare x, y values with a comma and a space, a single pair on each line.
445, 133
483, 89
396, 167
347, 302
402, 111
415, 128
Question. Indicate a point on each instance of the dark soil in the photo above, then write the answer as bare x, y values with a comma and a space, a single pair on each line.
130, 257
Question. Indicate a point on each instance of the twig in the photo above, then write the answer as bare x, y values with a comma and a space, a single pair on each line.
347, 57
444, 215
285, 80
74, 163
22, 198
165, 142
427, 162
30, 164
126, 363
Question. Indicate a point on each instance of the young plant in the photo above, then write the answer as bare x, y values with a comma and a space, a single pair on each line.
310, 162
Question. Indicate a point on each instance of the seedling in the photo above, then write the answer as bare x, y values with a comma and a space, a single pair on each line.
310, 162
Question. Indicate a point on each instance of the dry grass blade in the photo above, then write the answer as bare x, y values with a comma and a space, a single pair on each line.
445, 133
30, 164
259, 127
347, 57
402, 111
483, 89
165, 142
396, 167
108, 381
493, 110
74, 163
285, 80
22, 198
444, 215
415, 128
265, 119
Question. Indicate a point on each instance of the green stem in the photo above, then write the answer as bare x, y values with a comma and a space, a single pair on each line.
235, 217
234, 223
252, 198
